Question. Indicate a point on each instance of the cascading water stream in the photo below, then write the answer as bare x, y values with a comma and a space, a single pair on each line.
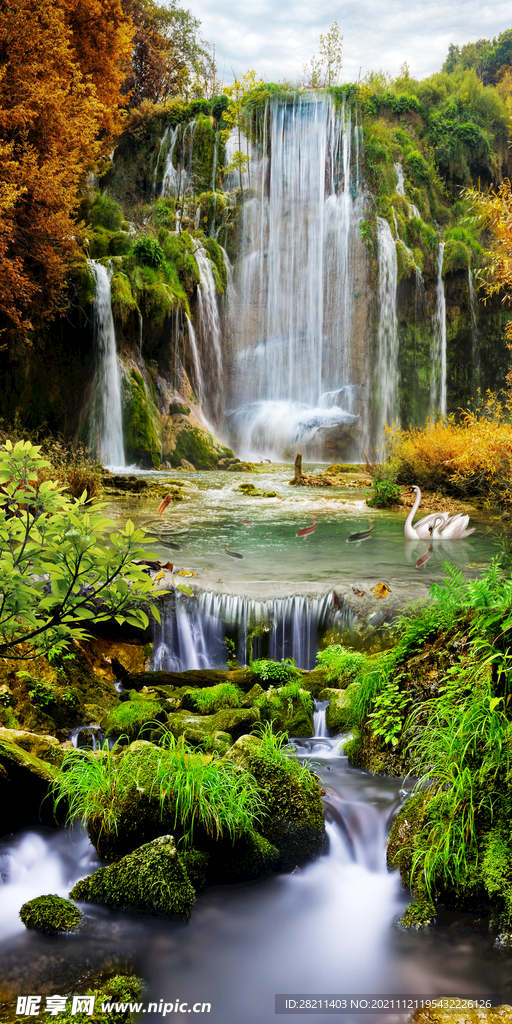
438, 386
193, 630
290, 328
105, 412
386, 371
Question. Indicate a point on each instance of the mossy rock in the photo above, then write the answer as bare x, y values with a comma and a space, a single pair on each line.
207, 700
293, 818
123, 302
289, 713
254, 695
405, 260
179, 409
202, 730
45, 747
134, 719
151, 880
456, 256
337, 714
250, 856
141, 422
195, 444
25, 785
51, 915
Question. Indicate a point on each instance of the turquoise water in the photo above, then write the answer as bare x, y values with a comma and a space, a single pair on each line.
275, 561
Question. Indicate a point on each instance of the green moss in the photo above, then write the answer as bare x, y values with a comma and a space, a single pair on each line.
123, 302
203, 150
208, 700
104, 212
134, 719
179, 251
293, 812
337, 715
151, 880
405, 261
51, 915
204, 730
164, 213
211, 209
121, 243
141, 422
289, 708
250, 856
197, 446
456, 256
220, 273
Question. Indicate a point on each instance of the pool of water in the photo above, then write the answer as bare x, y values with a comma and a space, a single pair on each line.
327, 928
277, 563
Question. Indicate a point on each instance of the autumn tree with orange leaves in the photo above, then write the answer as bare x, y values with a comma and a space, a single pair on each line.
62, 64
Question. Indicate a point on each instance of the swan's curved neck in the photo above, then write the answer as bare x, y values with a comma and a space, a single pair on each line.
414, 509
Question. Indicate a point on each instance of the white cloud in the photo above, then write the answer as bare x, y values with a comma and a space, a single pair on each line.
276, 37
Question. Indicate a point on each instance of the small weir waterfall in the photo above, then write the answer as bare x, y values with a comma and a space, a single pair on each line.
297, 365
192, 631
105, 410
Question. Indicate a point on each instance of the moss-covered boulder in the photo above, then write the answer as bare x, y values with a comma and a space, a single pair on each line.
337, 714
141, 422
250, 856
25, 783
203, 730
251, 699
206, 700
51, 915
134, 719
184, 437
293, 815
151, 880
289, 708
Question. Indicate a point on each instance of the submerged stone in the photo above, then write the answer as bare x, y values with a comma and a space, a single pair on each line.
151, 880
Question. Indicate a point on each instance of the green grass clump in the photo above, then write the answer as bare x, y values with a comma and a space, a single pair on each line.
207, 700
340, 664
51, 915
181, 787
134, 718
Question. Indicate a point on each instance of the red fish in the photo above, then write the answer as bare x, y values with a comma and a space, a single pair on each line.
244, 521
424, 558
163, 505
307, 529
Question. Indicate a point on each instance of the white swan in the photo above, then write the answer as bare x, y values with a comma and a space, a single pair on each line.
420, 530
455, 529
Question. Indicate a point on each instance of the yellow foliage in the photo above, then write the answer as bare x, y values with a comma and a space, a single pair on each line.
473, 456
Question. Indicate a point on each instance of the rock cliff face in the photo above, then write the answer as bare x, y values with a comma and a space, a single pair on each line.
198, 341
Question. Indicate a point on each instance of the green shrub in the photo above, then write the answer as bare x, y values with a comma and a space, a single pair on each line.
340, 664
385, 493
149, 252
105, 213
278, 672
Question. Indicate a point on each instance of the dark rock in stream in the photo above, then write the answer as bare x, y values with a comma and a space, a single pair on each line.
25, 783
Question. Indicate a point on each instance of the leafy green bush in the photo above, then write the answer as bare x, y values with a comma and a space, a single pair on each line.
51, 542
149, 252
340, 664
385, 494
105, 213
278, 672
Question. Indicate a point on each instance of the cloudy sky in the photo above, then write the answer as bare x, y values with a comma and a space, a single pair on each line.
276, 37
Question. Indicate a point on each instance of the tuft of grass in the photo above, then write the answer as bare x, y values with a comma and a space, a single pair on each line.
340, 664
193, 788
208, 700
277, 672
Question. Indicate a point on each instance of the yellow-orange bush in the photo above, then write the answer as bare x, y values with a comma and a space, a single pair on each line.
469, 457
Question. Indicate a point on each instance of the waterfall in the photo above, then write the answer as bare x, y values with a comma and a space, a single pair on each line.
163, 141
438, 377
386, 382
193, 630
210, 333
319, 726
198, 375
400, 189
291, 326
105, 422
475, 340
176, 179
